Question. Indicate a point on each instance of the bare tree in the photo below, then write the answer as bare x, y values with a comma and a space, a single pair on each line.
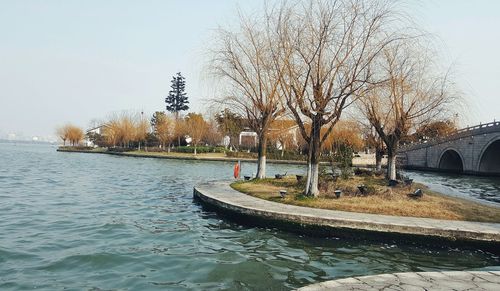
328, 48
120, 128
72, 133
62, 132
244, 59
75, 134
163, 129
213, 134
196, 128
413, 94
141, 130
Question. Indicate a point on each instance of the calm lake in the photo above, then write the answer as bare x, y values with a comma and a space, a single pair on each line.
89, 221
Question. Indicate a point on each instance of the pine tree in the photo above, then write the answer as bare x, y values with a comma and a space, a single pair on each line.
177, 99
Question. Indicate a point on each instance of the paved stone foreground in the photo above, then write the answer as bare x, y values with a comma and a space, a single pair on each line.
220, 194
415, 281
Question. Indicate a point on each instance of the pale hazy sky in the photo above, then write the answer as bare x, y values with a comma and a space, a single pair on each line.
73, 61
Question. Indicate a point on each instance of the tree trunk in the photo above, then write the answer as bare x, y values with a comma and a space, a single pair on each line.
261, 159
313, 161
378, 159
195, 149
391, 167
139, 149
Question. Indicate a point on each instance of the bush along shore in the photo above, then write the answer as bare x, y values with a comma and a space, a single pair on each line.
368, 192
211, 153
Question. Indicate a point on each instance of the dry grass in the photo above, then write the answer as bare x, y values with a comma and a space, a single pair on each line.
382, 200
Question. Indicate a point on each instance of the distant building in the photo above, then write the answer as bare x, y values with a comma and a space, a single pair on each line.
95, 130
248, 138
283, 133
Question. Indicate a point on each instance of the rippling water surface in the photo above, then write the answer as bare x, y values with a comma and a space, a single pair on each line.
485, 189
92, 222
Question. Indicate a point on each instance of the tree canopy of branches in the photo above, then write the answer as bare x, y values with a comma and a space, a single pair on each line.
414, 93
177, 99
73, 134
163, 127
141, 130
282, 132
62, 133
433, 129
328, 48
213, 135
124, 128
243, 58
346, 133
230, 124
196, 128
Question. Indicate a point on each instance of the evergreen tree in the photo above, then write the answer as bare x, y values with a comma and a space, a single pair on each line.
177, 99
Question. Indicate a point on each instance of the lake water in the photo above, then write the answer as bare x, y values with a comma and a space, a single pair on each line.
481, 189
92, 222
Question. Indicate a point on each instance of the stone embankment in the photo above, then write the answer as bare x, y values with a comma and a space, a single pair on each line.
478, 281
338, 223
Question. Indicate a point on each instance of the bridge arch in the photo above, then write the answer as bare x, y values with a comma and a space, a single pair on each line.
489, 159
451, 161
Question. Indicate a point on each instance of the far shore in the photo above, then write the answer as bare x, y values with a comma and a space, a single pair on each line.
216, 157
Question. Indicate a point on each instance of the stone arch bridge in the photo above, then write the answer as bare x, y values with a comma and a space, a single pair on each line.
472, 150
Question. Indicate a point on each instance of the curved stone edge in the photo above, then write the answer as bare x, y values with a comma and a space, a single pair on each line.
451, 280
334, 220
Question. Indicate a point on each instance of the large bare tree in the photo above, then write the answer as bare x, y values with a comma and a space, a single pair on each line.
328, 48
415, 93
243, 59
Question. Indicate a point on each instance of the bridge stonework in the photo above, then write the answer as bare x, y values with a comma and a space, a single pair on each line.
473, 150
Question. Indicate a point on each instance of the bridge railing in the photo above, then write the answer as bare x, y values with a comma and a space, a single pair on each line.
481, 125
464, 132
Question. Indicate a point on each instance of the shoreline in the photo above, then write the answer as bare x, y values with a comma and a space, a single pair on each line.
192, 157
220, 197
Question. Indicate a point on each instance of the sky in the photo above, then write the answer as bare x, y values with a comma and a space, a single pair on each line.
77, 61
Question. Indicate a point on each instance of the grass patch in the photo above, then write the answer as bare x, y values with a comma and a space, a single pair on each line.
380, 199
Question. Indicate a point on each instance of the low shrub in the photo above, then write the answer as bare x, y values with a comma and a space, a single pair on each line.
199, 149
243, 155
79, 148
363, 172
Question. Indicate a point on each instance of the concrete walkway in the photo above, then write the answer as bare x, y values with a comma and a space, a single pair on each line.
415, 281
221, 195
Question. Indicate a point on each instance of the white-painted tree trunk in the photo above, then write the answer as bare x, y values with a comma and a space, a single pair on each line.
391, 167
261, 159
314, 180
308, 180
261, 167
